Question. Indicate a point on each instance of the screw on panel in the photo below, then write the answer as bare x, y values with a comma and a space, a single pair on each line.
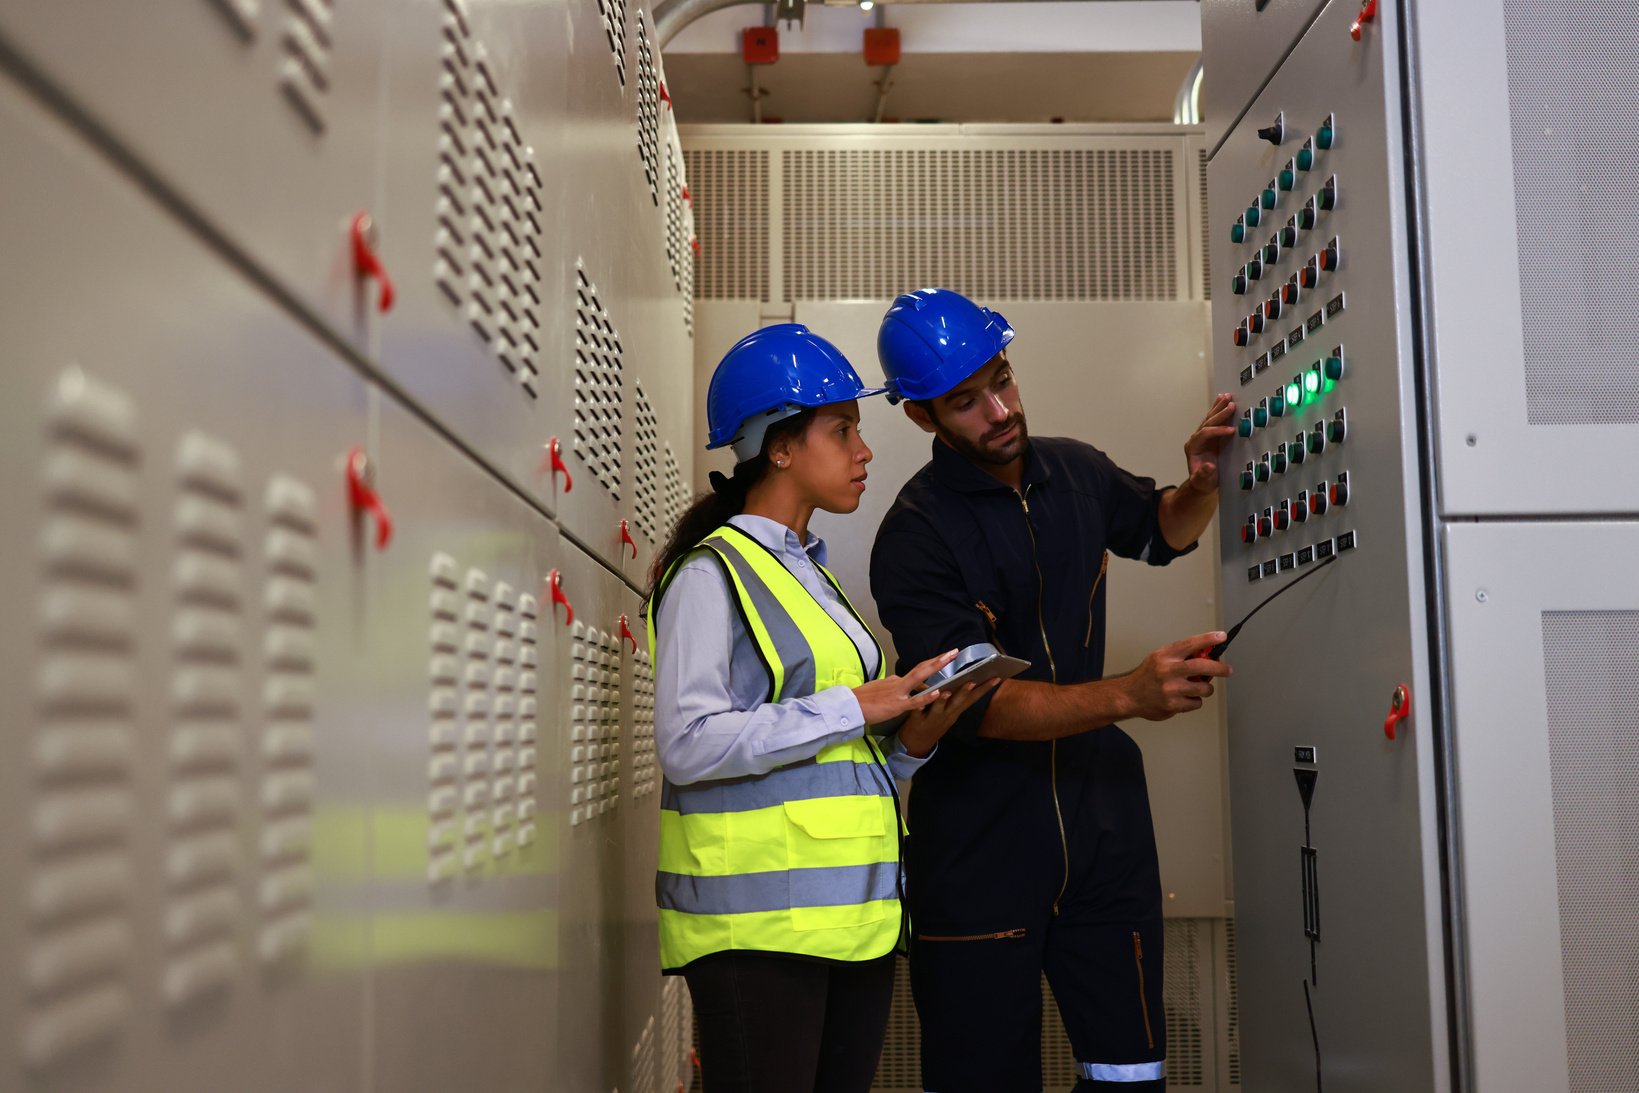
1472, 440
1481, 595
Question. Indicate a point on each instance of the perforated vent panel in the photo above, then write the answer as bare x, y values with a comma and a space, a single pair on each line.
730, 200
1186, 1019
1575, 105
648, 111
1591, 665
1049, 224
598, 378
208, 725
614, 28
1206, 248
645, 769
674, 214
304, 70
645, 465
594, 725
1232, 1029
75, 979
487, 250
677, 494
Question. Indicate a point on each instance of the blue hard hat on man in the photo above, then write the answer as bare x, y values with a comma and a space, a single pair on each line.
933, 339
769, 375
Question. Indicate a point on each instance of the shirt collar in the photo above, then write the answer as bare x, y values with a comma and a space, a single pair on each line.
955, 470
779, 538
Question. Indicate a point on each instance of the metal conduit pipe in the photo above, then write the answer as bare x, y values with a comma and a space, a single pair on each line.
671, 16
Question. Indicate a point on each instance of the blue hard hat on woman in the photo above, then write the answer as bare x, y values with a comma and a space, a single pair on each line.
933, 338
772, 374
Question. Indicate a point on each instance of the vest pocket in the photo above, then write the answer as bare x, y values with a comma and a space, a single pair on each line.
834, 818
843, 860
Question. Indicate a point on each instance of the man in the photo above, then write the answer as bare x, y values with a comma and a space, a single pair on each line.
1031, 844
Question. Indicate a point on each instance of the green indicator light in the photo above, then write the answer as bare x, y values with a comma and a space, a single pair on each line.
1287, 178
1253, 215
1334, 368
1237, 232
1277, 405
1306, 158
1323, 139
1269, 197
1294, 395
1245, 426
1311, 381
1260, 416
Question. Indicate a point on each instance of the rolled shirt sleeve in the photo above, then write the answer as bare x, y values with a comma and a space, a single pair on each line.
699, 732
1133, 504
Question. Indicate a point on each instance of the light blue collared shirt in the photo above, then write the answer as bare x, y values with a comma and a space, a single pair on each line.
711, 723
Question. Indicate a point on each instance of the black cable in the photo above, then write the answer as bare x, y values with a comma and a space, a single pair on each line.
1218, 650
1314, 1032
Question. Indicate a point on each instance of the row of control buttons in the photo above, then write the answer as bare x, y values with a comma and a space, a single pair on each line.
1306, 387
1314, 552
1289, 294
1295, 452
1324, 260
1296, 337
1278, 517
1269, 199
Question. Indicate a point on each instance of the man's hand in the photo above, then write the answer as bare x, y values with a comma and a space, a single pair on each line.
1163, 685
1201, 449
923, 728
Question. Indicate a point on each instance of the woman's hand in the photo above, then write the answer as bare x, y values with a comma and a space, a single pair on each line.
885, 699
924, 728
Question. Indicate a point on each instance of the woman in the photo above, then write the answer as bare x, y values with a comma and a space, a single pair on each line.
779, 883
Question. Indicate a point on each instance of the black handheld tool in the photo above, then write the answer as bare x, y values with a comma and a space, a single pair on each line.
1217, 651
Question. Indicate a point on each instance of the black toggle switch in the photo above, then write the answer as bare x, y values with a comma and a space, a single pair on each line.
1275, 133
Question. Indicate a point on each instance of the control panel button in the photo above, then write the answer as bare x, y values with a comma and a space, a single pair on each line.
1249, 530
1283, 514
1318, 500
1326, 134
1338, 429
1237, 231
1272, 307
1253, 269
1266, 524
1340, 490
1296, 450
1334, 364
1275, 133
1240, 337
1306, 216
1317, 438
1237, 284
1253, 217
1300, 509
1288, 236
1288, 175
1309, 275
1327, 198
1255, 321
1260, 414
1330, 256
1279, 460
1271, 251
1312, 382
1260, 469
1277, 403
1292, 291
1270, 196
1243, 427
1306, 155
1248, 479
1294, 392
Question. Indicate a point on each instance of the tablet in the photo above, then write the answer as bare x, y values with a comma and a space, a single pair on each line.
975, 664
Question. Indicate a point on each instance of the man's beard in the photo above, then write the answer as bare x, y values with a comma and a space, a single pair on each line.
982, 452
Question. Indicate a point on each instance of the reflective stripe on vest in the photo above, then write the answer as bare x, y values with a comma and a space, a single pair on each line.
803, 859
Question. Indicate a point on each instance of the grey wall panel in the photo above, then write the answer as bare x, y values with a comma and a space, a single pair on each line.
648, 1065
463, 712
184, 835
263, 117
1242, 41
1542, 660
1318, 668
1533, 329
472, 188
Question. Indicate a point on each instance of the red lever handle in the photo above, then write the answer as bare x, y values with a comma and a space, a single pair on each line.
554, 581
1368, 12
695, 243
665, 96
1399, 710
626, 537
626, 632
366, 261
554, 463
361, 494
688, 197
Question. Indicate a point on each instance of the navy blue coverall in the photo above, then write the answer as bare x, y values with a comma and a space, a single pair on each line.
1026, 856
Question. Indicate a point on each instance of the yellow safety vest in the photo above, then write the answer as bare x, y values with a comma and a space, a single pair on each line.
803, 859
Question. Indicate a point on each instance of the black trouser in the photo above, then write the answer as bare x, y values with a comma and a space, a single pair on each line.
779, 1024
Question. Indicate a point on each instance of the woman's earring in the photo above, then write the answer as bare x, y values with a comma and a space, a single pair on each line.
780, 463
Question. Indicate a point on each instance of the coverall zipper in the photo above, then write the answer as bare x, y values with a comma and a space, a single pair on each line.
1143, 998
1103, 568
1053, 752
997, 936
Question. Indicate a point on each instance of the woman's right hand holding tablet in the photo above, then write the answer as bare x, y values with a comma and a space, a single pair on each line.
885, 699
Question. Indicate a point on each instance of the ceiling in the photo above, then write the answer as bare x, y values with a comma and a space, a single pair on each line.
1105, 61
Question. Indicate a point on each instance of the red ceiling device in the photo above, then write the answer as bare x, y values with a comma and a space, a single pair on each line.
881, 45
760, 45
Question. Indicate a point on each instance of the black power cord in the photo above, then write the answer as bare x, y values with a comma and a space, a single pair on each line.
1217, 651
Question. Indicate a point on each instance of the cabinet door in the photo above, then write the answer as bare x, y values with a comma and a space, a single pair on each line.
1544, 676
262, 119
464, 925
184, 832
